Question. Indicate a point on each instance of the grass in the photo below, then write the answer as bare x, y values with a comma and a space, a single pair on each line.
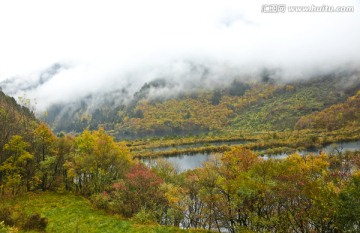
70, 213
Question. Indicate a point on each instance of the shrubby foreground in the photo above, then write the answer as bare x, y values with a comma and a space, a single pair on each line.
234, 191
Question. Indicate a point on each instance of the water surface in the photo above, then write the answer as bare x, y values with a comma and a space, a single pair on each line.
191, 161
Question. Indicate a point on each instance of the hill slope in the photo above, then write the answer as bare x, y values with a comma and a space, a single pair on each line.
246, 106
14, 119
346, 114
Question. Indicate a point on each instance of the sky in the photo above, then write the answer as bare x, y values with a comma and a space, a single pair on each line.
106, 45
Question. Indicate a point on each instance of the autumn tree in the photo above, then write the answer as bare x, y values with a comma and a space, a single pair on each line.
97, 162
45, 153
205, 213
15, 169
140, 189
58, 175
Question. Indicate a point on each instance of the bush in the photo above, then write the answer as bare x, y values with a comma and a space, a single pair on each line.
35, 222
5, 216
144, 217
7, 229
101, 200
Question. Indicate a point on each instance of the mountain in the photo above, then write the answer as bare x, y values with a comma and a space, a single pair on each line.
17, 85
250, 106
14, 119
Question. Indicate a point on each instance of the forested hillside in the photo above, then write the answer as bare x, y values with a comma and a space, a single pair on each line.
14, 120
234, 191
346, 114
247, 106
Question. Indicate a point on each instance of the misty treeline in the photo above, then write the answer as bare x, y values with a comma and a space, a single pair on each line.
245, 105
232, 192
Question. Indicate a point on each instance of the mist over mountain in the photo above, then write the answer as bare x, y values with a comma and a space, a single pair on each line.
160, 83
73, 56
17, 85
165, 107
88, 64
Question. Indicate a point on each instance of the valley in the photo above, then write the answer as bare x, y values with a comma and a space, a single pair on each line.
179, 116
154, 160
187, 163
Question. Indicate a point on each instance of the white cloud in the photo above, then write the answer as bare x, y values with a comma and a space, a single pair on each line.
110, 44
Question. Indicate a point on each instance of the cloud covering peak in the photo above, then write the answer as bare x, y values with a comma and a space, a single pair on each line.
107, 45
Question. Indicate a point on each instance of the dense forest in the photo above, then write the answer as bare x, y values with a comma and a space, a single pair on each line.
235, 191
264, 105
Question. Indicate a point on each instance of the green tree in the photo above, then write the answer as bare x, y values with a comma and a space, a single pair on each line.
348, 208
97, 162
65, 148
15, 169
45, 153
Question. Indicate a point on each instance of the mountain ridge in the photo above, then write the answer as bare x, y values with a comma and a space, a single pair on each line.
248, 106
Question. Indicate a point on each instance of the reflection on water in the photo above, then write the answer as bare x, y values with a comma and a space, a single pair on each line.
351, 146
329, 149
188, 161
191, 161
184, 161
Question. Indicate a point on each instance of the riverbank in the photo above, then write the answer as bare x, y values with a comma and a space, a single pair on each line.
264, 143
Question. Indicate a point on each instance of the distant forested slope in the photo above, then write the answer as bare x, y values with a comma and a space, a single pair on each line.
247, 106
346, 114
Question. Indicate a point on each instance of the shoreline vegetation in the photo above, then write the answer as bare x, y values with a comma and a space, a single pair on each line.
262, 143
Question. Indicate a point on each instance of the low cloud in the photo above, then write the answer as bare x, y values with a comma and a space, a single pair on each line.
65, 51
